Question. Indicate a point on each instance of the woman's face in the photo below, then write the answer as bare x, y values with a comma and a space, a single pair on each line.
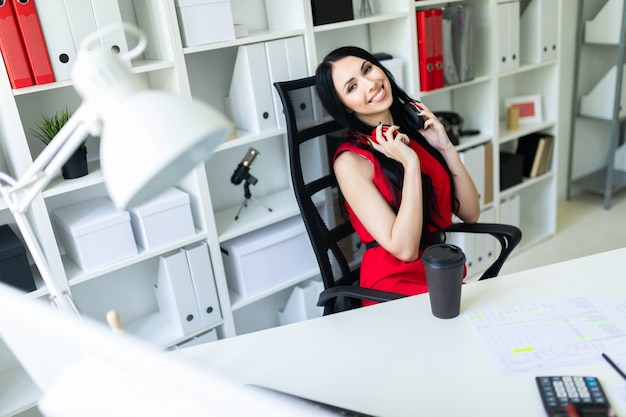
364, 89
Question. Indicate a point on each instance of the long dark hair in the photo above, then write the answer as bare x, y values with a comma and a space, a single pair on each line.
394, 171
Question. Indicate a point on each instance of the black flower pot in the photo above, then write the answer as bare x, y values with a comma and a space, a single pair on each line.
76, 166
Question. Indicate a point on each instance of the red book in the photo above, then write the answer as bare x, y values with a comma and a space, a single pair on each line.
437, 40
12, 48
34, 42
425, 51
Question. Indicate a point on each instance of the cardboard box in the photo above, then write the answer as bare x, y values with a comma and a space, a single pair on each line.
163, 220
268, 257
94, 233
205, 21
14, 268
394, 65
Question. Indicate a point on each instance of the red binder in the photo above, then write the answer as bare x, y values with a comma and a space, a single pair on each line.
437, 40
425, 50
34, 42
12, 48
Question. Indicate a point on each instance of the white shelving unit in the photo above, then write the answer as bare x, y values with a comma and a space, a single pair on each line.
204, 72
598, 110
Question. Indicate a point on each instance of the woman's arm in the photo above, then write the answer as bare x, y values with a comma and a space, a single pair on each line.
400, 233
465, 189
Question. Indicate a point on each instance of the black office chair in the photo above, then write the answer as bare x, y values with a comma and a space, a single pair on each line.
313, 137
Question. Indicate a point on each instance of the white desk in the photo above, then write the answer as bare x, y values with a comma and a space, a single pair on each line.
396, 359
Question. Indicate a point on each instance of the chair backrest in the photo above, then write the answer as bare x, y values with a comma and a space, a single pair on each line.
312, 138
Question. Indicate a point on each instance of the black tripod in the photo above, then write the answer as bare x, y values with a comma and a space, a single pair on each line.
247, 194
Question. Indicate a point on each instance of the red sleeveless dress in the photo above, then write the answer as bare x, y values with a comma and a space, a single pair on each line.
380, 269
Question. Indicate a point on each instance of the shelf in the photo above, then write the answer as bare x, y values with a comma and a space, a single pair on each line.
421, 4
18, 392
524, 129
59, 185
527, 67
256, 216
477, 80
359, 21
246, 138
526, 183
596, 181
156, 330
255, 37
466, 142
139, 66
238, 301
75, 275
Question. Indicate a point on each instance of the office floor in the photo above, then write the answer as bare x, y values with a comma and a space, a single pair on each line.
584, 227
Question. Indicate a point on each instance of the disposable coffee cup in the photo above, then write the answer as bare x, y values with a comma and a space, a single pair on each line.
444, 274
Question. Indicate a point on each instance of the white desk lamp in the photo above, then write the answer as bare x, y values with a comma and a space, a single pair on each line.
89, 370
149, 141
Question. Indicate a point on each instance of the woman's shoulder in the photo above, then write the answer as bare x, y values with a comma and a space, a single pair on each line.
353, 145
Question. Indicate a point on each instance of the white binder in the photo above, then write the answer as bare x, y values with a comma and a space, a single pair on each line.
510, 211
539, 24
58, 34
250, 95
107, 13
474, 161
508, 36
286, 60
467, 243
486, 245
81, 19
175, 295
203, 281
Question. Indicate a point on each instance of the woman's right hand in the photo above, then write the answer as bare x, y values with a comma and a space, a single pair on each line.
394, 144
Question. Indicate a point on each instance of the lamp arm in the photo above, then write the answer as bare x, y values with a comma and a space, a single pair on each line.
60, 299
50, 161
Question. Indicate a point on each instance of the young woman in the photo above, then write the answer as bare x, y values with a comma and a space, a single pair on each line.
400, 185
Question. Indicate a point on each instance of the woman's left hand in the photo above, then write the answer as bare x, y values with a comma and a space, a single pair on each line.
434, 131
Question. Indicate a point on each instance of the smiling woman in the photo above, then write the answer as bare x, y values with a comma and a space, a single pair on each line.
400, 182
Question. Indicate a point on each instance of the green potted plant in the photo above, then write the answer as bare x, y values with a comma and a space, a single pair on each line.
48, 128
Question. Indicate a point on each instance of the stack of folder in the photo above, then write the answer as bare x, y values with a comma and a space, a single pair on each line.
537, 151
23, 46
185, 291
39, 40
444, 39
457, 25
430, 48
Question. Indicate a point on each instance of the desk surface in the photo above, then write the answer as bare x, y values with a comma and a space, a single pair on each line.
396, 359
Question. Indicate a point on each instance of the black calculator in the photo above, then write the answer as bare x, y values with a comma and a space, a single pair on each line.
584, 393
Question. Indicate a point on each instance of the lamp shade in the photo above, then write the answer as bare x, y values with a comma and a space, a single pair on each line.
152, 139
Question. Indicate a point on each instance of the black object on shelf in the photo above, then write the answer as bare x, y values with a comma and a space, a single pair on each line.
331, 11
511, 169
14, 268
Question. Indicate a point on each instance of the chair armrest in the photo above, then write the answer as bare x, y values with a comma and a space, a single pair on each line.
359, 293
508, 236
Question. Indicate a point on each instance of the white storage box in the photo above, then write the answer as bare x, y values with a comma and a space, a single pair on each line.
394, 65
94, 233
205, 21
268, 257
163, 220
